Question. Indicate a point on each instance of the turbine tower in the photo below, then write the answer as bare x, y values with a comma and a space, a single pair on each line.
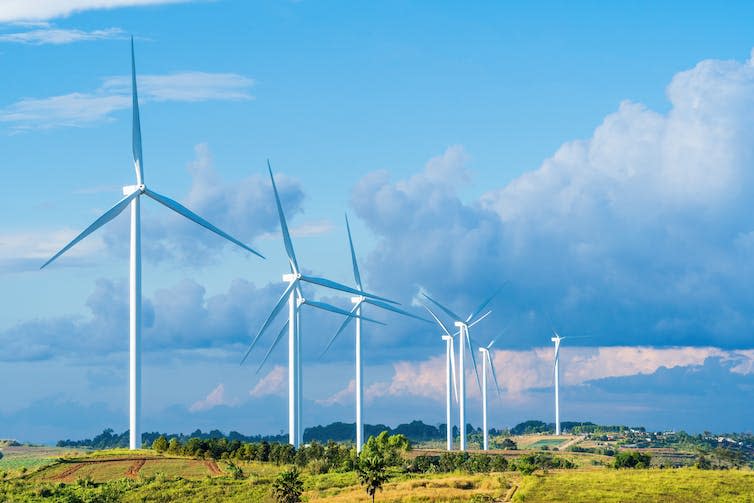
450, 376
487, 360
557, 339
132, 194
358, 304
463, 325
295, 298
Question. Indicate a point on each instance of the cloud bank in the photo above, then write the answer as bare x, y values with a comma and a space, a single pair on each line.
641, 234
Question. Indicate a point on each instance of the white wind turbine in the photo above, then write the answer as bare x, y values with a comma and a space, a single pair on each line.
487, 360
132, 194
463, 324
450, 376
557, 339
359, 302
295, 298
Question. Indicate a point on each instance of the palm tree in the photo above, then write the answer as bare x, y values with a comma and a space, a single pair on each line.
372, 474
288, 487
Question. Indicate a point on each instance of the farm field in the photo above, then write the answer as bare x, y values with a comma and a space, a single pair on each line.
146, 476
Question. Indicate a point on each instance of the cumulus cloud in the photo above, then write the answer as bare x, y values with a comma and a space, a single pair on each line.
521, 372
60, 36
640, 234
40, 10
80, 109
275, 383
215, 398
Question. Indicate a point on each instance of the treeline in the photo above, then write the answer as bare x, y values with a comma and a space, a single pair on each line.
533, 426
415, 431
484, 463
317, 457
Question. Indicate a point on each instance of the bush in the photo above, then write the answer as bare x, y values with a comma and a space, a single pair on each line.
160, 444
632, 459
288, 487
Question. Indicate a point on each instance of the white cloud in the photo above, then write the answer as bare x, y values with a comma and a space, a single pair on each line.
59, 36
275, 383
82, 109
216, 397
25, 250
640, 234
522, 371
37, 10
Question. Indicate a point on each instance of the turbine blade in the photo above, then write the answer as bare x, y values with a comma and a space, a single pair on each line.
389, 307
283, 225
102, 220
480, 318
473, 361
136, 138
483, 304
182, 210
356, 275
442, 325
275, 343
275, 310
492, 342
453, 367
339, 286
447, 311
337, 310
343, 325
494, 374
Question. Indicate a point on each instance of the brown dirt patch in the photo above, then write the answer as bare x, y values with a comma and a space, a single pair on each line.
133, 470
213, 468
68, 471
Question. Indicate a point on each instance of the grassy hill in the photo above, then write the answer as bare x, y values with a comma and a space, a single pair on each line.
47, 474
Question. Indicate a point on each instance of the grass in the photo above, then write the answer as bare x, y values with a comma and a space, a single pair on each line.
102, 477
654, 485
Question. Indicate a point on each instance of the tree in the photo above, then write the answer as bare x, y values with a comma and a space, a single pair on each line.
288, 487
372, 474
160, 444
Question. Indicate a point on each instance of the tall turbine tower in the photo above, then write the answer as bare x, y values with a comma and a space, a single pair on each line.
487, 360
358, 304
295, 298
132, 194
557, 339
450, 376
463, 324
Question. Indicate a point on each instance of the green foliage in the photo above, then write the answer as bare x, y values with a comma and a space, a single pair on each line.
160, 444
458, 461
288, 487
632, 459
235, 471
387, 447
372, 473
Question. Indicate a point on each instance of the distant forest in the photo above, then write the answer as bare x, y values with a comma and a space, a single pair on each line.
415, 431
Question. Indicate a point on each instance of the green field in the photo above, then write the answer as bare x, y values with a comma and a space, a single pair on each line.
111, 476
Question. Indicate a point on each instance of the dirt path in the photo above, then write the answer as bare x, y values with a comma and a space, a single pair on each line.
213, 468
68, 471
133, 470
571, 442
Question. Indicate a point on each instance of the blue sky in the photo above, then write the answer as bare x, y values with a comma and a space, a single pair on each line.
597, 157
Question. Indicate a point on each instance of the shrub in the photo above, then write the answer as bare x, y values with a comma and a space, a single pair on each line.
288, 487
632, 459
160, 444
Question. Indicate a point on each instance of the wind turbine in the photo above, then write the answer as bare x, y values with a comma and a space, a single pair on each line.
463, 325
132, 194
450, 375
487, 360
295, 298
358, 302
557, 339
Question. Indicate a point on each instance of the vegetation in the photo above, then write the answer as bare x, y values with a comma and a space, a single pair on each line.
372, 474
632, 459
288, 487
